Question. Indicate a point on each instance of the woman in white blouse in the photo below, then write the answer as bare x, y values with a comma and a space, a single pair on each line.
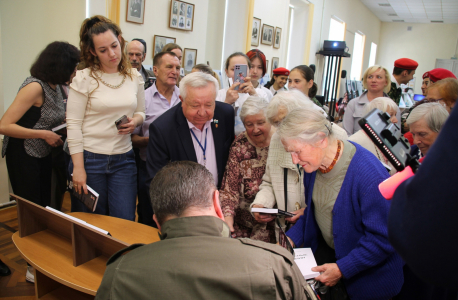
257, 71
102, 155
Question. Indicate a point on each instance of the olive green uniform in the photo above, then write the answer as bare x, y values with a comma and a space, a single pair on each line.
196, 259
395, 93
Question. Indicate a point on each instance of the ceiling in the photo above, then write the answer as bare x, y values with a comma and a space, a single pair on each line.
414, 11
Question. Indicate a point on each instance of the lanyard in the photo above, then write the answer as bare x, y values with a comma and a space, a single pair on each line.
205, 146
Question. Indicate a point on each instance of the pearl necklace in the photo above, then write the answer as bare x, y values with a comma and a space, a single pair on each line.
110, 85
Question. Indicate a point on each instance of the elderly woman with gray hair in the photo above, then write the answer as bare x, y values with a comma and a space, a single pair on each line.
425, 122
387, 105
282, 182
345, 222
244, 170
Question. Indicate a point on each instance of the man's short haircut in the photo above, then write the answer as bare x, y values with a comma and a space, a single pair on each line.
170, 47
197, 80
178, 186
158, 58
398, 71
143, 43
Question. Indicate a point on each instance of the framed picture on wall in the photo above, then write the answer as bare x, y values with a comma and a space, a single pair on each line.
275, 64
181, 15
255, 32
160, 41
267, 34
277, 39
135, 12
267, 66
189, 59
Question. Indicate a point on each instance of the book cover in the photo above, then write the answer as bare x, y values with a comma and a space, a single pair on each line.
272, 211
89, 200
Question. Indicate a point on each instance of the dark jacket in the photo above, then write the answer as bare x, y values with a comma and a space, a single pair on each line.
170, 139
423, 219
149, 74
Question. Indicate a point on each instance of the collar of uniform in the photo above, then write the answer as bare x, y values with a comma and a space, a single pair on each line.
194, 226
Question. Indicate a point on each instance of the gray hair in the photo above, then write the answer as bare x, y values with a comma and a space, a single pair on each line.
197, 80
434, 114
305, 124
289, 100
383, 103
179, 186
253, 106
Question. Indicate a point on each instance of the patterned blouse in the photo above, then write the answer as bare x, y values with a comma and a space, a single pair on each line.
244, 170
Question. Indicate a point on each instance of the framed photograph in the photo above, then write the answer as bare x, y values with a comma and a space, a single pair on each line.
160, 41
255, 32
275, 64
181, 15
189, 59
135, 11
277, 39
267, 66
267, 34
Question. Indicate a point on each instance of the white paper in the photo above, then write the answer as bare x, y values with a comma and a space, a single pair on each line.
304, 259
59, 127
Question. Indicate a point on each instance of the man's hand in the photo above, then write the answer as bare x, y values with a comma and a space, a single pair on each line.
330, 274
230, 222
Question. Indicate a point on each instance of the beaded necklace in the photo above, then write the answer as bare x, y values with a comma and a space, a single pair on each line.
110, 85
328, 169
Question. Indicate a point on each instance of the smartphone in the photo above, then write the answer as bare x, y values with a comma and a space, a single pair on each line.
240, 72
121, 121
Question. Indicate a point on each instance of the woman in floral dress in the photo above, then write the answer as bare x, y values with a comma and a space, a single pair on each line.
244, 170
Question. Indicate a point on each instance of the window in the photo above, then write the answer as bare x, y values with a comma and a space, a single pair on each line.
336, 33
357, 59
373, 54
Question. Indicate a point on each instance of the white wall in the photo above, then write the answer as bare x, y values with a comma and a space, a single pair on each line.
424, 44
26, 28
274, 13
298, 45
356, 16
215, 29
156, 23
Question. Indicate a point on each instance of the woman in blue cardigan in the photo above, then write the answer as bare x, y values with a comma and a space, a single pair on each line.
345, 222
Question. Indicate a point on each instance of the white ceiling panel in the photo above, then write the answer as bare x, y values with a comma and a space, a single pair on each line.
415, 11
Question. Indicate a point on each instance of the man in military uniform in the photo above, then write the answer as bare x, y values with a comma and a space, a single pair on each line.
403, 71
196, 258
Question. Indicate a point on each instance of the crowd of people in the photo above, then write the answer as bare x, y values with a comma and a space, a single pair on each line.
187, 149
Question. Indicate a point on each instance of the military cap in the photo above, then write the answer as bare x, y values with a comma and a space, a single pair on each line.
439, 74
406, 64
281, 71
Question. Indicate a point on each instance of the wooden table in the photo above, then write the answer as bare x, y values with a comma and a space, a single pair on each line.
55, 274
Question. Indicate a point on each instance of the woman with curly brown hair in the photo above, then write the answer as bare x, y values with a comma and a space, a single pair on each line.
105, 91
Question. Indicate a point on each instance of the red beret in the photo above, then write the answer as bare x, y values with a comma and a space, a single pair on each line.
439, 74
426, 75
406, 64
281, 71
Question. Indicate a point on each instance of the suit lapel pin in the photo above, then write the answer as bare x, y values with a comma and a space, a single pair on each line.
216, 122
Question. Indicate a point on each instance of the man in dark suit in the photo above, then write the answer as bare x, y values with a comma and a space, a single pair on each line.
198, 129
136, 50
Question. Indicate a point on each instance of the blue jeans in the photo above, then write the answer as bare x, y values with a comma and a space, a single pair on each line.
114, 177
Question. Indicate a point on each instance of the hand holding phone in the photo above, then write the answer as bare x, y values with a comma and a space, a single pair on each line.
121, 121
240, 73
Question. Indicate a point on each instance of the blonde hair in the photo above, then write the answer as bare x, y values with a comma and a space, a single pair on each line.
383, 103
371, 70
306, 125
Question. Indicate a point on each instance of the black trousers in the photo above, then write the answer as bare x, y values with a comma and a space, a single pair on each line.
30, 176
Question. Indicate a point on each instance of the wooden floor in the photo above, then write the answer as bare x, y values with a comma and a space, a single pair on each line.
14, 286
